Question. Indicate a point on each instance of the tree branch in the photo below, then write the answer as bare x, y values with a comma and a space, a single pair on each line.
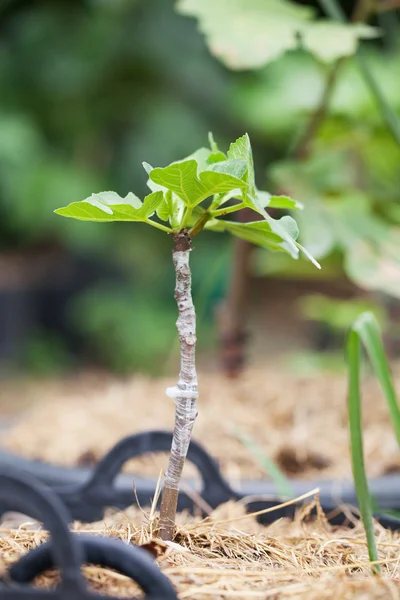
301, 149
232, 314
334, 10
387, 5
361, 12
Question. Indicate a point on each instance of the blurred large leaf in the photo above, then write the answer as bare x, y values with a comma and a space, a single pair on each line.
353, 219
317, 229
371, 245
277, 99
329, 40
311, 180
329, 171
336, 313
247, 34
376, 267
336, 214
281, 265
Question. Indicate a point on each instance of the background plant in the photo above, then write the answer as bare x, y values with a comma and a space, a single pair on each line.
343, 163
88, 87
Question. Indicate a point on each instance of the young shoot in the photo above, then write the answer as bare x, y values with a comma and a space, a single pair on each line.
186, 197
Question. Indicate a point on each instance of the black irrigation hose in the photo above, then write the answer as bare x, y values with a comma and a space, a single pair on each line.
67, 551
128, 560
87, 492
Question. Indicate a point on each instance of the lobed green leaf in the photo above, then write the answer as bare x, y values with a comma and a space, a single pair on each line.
276, 235
109, 206
266, 200
179, 189
213, 143
236, 167
215, 157
241, 150
171, 208
164, 210
182, 179
255, 200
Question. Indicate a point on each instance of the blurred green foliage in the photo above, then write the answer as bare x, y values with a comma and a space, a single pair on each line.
339, 315
45, 354
349, 184
91, 88
345, 168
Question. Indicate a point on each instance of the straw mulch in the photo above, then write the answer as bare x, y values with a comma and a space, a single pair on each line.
230, 556
300, 422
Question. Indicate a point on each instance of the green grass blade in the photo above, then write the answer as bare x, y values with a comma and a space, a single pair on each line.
356, 441
280, 480
367, 329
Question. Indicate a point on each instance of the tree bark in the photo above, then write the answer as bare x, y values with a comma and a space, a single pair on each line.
185, 393
232, 312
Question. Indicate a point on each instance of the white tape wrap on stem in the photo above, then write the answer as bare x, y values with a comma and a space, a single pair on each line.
185, 392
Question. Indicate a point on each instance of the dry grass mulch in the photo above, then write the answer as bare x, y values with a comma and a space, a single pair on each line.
230, 556
300, 422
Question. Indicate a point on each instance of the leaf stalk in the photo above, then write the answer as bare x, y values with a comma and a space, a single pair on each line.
220, 212
159, 226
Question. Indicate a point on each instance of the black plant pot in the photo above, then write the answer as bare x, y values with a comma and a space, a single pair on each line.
36, 297
17, 319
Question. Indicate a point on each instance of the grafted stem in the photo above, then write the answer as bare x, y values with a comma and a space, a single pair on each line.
185, 392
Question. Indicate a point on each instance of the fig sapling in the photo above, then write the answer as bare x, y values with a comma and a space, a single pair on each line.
186, 197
